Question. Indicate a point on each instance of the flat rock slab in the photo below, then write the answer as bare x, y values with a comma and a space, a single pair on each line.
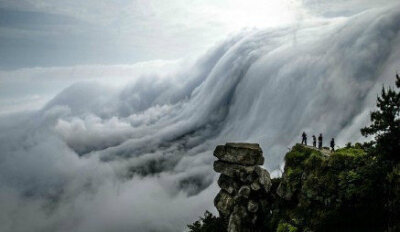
240, 153
232, 170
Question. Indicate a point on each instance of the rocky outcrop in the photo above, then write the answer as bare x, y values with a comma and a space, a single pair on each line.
316, 192
244, 185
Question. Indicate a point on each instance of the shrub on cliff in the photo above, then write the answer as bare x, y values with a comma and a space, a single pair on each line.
286, 227
208, 223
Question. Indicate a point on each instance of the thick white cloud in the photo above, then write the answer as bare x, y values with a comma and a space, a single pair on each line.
138, 156
31, 88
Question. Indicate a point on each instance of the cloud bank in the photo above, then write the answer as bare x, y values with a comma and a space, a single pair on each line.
138, 157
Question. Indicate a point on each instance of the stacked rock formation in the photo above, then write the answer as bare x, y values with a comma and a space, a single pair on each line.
244, 185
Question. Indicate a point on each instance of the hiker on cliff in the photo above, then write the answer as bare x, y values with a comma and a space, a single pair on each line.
304, 138
320, 141
333, 144
314, 141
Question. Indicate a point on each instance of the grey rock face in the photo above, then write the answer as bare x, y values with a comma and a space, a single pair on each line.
252, 206
237, 220
244, 191
234, 223
246, 177
228, 184
232, 170
255, 186
283, 192
264, 178
240, 153
224, 202
243, 183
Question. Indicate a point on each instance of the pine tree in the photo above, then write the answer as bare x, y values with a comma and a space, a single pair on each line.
386, 123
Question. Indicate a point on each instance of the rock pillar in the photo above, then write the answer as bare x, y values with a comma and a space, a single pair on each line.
244, 185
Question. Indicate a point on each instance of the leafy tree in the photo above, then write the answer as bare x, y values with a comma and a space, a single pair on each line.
208, 223
386, 123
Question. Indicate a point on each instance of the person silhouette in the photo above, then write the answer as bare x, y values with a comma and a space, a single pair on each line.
314, 141
333, 144
320, 141
304, 138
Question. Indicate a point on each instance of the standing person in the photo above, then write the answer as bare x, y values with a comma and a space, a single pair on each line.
304, 138
333, 144
320, 141
314, 141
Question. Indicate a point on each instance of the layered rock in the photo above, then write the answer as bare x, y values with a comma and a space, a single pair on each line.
240, 153
244, 185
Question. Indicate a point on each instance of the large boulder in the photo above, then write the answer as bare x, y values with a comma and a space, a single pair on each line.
255, 186
236, 220
224, 202
240, 153
284, 191
228, 184
252, 206
232, 170
244, 191
263, 178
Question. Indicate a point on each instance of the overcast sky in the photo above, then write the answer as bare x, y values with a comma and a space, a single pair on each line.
61, 33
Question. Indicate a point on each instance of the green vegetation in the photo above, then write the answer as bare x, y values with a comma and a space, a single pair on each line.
386, 124
208, 223
350, 151
336, 193
357, 188
286, 227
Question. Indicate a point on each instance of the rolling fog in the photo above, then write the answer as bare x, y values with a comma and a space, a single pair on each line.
138, 156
